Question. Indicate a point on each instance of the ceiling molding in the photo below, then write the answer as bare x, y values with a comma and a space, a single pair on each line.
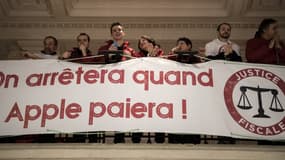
24, 8
265, 8
57, 8
45, 9
154, 8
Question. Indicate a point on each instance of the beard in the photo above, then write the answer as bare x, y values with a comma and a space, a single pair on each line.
49, 50
225, 35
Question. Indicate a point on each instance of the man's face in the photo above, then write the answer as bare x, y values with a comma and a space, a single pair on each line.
272, 30
224, 32
83, 40
182, 46
50, 45
117, 32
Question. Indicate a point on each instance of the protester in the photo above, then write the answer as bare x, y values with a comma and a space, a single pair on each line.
266, 46
148, 47
183, 44
118, 43
222, 47
49, 52
81, 52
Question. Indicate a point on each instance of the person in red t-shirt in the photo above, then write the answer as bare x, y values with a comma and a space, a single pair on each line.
118, 43
266, 47
148, 47
80, 54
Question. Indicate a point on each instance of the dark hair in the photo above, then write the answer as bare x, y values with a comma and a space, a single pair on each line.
115, 24
224, 23
149, 39
51, 37
186, 40
265, 23
84, 34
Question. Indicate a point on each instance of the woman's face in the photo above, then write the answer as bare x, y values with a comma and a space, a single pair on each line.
83, 40
271, 31
144, 44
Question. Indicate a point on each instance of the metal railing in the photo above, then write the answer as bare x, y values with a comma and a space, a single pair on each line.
118, 137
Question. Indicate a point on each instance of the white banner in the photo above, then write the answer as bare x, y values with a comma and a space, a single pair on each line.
143, 95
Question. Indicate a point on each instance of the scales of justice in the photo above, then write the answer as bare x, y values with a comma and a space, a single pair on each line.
245, 104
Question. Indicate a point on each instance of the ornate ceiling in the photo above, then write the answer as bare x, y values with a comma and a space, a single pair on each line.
139, 8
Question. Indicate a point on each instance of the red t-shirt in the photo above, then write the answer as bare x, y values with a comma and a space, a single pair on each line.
125, 47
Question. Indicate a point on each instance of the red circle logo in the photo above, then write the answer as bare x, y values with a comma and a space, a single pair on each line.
238, 104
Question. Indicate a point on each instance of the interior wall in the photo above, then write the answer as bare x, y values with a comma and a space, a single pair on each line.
25, 23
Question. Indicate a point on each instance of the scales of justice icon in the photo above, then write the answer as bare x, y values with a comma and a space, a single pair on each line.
245, 104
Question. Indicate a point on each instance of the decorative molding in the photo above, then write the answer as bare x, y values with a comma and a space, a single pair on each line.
137, 8
126, 25
265, 8
23, 8
57, 8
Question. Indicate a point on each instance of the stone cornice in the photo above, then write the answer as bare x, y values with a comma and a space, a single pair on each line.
130, 22
67, 25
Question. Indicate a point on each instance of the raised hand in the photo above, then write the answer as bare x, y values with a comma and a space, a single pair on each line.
83, 49
66, 54
228, 49
113, 48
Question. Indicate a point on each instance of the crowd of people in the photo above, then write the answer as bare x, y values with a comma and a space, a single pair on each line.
266, 47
